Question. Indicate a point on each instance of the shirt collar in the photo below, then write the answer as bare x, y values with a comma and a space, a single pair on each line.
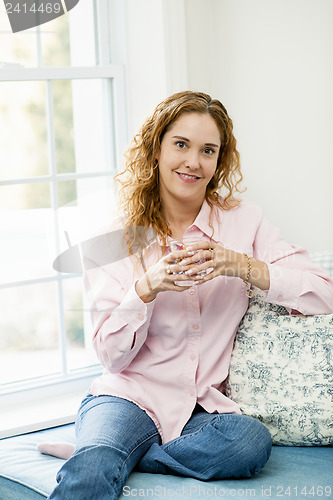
202, 221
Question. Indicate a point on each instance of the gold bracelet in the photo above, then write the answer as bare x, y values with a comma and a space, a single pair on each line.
249, 291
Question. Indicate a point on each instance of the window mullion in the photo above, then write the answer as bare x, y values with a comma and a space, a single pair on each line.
34, 281
101, 16
119, 116
39, 47
59, 73
55, 207
109, 134
70, 176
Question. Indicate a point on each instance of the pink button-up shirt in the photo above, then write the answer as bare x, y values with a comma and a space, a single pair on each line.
174, 352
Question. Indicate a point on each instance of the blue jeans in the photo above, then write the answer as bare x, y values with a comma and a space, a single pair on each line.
114, 436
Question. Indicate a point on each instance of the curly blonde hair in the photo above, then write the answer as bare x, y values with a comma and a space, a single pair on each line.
139, 193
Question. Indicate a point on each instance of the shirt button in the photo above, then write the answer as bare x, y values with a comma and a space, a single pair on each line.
280, 298
192, 393
191, 291
195, 326
193, 356
141, 317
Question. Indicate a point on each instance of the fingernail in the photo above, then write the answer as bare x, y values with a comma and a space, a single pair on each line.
189, 272
190, 253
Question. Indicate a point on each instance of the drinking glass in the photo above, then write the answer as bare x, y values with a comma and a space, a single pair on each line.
183, 244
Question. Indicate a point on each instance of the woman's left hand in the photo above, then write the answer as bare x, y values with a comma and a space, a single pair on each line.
218, 261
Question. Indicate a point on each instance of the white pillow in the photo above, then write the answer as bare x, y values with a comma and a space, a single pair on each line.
281, 372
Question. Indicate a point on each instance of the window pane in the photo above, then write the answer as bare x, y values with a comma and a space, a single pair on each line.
23, 138
89, 215
29, 339
93, 134
63, 125
82, 34
90, 204
58, 48
27, 247
78, 327
20, 48
55, 42
66, 192
25, 196
71, 191
82, 141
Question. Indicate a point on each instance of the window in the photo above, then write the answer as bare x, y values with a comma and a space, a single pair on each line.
63, 122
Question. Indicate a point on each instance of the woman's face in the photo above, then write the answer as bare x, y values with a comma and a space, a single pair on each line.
188, 158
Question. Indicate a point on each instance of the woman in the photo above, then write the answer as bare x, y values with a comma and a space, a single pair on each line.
164, 324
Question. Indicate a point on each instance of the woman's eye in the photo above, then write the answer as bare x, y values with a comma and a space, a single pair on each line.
209, 151
181, 144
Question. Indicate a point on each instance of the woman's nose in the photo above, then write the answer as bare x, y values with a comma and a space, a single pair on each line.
192, 160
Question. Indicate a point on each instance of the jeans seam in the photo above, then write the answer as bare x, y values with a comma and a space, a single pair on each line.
131, 453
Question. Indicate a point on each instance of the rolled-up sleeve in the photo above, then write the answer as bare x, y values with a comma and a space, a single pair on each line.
295, 282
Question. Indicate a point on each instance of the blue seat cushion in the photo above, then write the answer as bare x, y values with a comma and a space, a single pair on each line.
291, 472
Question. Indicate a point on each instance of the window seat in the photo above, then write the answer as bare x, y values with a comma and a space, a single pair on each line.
25, 474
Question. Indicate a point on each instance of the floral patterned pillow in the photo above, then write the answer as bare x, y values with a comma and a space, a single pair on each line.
281, 371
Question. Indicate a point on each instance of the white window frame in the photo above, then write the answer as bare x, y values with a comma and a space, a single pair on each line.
53, 400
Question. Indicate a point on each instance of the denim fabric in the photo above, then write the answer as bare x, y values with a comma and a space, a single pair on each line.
212, 446
114, 436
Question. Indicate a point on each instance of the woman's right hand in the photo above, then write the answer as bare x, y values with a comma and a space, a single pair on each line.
161, 277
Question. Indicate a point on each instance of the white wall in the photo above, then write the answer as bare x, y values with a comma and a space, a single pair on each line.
156, 54
270, 63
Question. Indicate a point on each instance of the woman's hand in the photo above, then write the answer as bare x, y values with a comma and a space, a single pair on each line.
215, 261
220, 261
161, 277
201, 262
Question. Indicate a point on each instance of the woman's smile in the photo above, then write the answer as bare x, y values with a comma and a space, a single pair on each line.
189, 178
